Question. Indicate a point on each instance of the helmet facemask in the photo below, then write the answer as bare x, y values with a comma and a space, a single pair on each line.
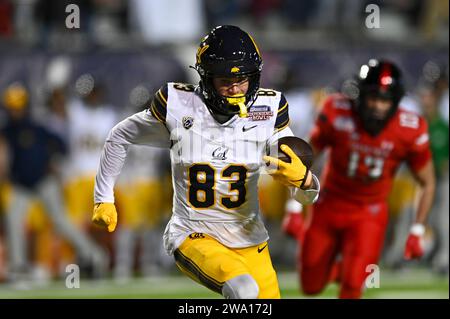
230, 105
372, 123
378, 80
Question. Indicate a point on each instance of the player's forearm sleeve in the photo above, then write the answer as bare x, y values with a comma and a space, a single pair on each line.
309, 196
140, 128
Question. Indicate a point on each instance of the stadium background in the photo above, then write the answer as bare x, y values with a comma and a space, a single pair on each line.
127, 49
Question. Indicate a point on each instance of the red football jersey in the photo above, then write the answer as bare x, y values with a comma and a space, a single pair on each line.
361, 167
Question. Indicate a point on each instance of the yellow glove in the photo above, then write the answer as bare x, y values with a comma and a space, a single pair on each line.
105, 215
294, 173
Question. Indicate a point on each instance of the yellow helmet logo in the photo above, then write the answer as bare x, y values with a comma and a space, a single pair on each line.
235, 69
200, 51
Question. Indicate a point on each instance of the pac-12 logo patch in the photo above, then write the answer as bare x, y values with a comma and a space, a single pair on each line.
187, 121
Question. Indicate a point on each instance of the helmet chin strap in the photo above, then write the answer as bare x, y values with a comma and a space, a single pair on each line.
239, 100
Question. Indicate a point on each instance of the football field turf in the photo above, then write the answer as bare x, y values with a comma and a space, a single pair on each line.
411, 283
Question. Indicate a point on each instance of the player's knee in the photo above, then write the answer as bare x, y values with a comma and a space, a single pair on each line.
241, 287
311, 285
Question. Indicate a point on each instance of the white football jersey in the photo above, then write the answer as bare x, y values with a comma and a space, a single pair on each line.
215, 167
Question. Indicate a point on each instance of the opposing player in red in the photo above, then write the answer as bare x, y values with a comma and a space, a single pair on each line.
368, 137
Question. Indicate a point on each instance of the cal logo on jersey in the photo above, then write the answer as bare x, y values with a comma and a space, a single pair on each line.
220, 153
196, 236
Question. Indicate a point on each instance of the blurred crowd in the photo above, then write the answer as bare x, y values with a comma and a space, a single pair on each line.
121, 23
60, 94
47, 179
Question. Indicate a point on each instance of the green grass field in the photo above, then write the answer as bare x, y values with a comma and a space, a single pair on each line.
411, 283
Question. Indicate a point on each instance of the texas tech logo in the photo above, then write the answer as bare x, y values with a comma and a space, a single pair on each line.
187, 121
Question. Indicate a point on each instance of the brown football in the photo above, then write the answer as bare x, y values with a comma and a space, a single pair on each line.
300, 147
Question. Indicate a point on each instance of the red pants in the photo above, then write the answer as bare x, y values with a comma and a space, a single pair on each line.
354, 231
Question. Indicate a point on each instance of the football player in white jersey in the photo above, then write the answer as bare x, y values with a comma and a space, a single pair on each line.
218, 133
89, 121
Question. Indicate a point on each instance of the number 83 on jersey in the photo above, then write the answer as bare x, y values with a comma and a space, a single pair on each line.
202, 185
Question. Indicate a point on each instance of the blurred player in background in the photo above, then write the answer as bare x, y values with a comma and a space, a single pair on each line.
402, 198
4, 185
439, 143
89, 120
139, 198
35, 156
218, 133
368, 137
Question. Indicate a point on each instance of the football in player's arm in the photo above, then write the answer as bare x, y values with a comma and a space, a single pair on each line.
217, 132
368, 137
